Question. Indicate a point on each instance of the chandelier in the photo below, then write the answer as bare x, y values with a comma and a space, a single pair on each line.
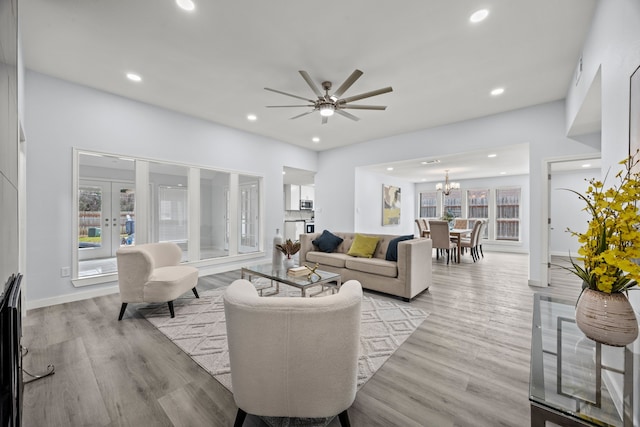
448, 186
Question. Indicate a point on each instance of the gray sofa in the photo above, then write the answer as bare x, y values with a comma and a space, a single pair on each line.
405, 278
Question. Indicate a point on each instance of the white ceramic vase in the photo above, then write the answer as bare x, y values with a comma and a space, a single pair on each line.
606, 318
277, 255
287, 263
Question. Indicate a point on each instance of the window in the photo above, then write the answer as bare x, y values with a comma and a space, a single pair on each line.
249, 214
170, 205
453, 203
428, 204
214, 198
508, 214
477, 207
126, 201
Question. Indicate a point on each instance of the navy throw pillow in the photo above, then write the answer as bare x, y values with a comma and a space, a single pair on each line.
392, 249
327, 242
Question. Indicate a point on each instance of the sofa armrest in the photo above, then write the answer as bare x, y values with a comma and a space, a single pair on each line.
306, 245
414, 265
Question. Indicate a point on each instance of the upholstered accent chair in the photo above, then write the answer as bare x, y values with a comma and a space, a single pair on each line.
291, 356
151, 273
439, 233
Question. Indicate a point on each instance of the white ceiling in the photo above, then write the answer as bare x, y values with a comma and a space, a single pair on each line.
214, 62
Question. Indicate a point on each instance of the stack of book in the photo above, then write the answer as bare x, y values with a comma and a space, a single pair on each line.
298, 271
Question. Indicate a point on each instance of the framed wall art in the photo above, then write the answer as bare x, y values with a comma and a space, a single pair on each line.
390, 205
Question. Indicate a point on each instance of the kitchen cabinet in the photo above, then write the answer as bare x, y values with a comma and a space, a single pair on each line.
292, 197
307, 192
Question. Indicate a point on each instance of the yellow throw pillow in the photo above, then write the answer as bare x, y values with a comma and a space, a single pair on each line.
363, 246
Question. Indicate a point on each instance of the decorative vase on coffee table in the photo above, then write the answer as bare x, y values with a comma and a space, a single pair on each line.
606, 318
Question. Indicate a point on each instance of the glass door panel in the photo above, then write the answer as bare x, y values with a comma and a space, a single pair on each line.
94, 237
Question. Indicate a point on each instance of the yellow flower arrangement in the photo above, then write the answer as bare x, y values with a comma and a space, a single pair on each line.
612, 241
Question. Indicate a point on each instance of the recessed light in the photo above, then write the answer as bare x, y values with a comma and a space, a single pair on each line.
503, 173
430, 162
134, 77
479, 15
492, 155
424, 179
497, 91
252, 117
315, 139
389, 169
186, 4
586, 165
284, 172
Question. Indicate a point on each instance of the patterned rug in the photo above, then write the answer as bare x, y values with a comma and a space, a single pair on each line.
199, 330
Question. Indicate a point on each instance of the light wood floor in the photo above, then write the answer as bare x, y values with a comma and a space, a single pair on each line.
466, 365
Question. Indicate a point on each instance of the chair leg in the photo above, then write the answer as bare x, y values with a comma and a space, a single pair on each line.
171, 309
481, 251
195, 292
240, 416
447, 256
344, 419
122, 310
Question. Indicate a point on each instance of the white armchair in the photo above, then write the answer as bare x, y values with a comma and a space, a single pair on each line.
291, 356
151, 273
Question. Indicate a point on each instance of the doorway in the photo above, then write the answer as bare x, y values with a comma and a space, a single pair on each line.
563, 211
106, 221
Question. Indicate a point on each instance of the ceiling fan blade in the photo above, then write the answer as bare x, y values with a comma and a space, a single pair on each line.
325, 119
303, 114
364, 107
347, 83
311, 84
288, 94
365, 95
348, 115
287, 106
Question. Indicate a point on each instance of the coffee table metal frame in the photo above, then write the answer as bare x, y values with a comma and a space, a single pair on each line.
325, 279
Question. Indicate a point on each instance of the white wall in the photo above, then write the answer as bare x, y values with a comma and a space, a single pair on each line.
542, 126
61, 116
567, 210
368, 204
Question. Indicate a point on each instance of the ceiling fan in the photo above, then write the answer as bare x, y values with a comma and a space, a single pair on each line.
329, 104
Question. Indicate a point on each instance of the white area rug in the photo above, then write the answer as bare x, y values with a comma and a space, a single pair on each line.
199, 329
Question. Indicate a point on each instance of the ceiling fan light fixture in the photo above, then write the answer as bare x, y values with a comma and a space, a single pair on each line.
326, 110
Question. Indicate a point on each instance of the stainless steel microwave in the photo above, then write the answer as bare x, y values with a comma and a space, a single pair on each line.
306, 204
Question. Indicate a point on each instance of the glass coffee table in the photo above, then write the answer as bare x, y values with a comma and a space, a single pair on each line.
575, 381
324, 279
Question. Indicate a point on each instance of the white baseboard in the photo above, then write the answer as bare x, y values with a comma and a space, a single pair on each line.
76, 296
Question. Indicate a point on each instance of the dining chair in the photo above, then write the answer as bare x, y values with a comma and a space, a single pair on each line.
472, 241
481, 235
423, 231
461, 223
441, 239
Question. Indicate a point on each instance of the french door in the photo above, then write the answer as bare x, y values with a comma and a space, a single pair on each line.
106, 218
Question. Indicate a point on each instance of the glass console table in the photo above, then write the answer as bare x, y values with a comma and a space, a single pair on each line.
575, 381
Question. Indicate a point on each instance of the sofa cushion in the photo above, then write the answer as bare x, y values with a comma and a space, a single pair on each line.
332, 259
363, 246
327, 242
376, 266
392, 249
